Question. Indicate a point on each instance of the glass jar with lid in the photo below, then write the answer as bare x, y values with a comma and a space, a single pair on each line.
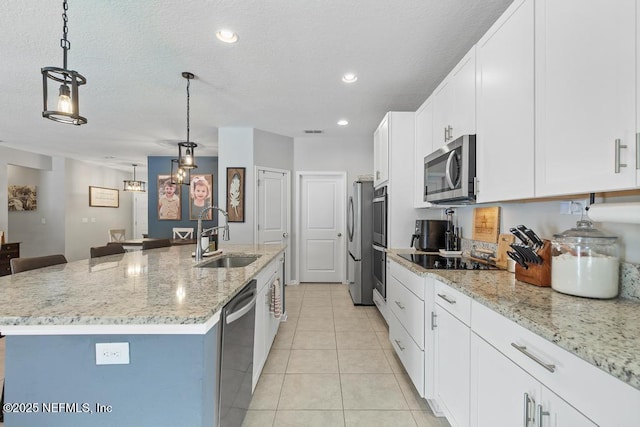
585, 262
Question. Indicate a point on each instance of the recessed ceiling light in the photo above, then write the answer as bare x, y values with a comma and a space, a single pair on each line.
227, 36
343, 122
349, 78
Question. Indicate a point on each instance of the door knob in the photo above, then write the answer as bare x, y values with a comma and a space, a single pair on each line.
339, 234
285, 235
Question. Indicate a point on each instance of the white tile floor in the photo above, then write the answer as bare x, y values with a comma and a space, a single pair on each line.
332, 365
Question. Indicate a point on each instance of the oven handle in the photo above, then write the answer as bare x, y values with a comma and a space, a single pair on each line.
379, 248
380, 199
447, 170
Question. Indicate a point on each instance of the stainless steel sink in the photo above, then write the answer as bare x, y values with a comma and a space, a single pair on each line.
230, 261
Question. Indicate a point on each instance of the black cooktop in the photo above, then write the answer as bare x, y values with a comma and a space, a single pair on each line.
437, 262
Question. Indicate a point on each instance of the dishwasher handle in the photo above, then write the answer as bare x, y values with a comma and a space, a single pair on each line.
249, 292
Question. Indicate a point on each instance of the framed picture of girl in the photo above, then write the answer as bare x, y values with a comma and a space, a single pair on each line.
169, 206
200, 196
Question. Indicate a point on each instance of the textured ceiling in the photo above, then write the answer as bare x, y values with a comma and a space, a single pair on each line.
283, 75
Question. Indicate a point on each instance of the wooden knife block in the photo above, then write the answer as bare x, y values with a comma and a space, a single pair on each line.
537, 274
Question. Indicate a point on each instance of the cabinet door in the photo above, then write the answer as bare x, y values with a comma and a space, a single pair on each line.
498, 388
585, 95
259, 337
505, 107
443, 113
555, 412
381, 153
452, 367
464, 97
423, 146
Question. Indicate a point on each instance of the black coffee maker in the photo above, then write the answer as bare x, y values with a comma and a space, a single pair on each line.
429, 235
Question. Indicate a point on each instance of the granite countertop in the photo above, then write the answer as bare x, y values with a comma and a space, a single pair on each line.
605, 333
157, 287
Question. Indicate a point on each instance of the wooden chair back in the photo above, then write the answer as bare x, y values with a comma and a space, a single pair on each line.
111, 249
19, 265
157, 243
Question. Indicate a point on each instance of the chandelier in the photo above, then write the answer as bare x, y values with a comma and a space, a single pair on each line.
186, 150
133, 184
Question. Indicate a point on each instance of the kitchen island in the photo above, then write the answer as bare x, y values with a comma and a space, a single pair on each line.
158, 301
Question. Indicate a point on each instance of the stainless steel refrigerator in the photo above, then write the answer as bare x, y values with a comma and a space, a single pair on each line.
360, 233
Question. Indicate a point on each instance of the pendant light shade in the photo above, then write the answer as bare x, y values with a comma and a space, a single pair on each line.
133, 184
186, 150
178, 174
64, 107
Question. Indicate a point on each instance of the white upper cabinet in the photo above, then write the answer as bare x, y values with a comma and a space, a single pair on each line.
455, 103
585, 92
505, 140
423, 146
381, 153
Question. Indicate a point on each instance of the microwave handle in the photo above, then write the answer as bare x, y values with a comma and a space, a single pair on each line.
447, 170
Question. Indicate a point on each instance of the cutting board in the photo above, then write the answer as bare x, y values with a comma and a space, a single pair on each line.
486, 224
504, 240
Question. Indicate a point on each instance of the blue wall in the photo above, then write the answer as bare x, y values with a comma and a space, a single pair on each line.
162, 166
170, 381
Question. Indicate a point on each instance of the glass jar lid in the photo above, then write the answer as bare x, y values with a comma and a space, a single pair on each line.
584, 232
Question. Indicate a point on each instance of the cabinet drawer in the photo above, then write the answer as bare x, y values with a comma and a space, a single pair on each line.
5, 256
410, 280
456, 303
10, 247
5, 269
587, 388
408, 309
411, 356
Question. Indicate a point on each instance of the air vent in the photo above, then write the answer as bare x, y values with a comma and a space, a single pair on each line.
313, 131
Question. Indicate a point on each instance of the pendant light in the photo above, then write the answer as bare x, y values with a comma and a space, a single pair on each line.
66, 109
178, 174
133, 184
186, 150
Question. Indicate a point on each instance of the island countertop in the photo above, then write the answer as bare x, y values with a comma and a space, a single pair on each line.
605, 333
153, 291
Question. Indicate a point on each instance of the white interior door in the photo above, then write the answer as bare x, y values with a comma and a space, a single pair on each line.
274, 209
322, 227
140, 215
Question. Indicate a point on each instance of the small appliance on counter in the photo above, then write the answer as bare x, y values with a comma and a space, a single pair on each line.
430, 235
585, 262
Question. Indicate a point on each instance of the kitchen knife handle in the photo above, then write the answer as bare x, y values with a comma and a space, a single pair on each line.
519, 235
619, 146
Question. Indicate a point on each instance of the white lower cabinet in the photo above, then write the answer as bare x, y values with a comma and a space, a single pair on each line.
452, 354
504, 395
266, 326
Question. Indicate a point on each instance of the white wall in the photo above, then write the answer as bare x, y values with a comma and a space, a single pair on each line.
235, 149
272, 150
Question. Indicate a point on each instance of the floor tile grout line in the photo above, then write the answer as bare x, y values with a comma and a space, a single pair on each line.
344, 417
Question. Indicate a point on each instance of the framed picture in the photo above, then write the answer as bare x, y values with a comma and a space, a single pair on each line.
104, 197
22, 198
169, 199
235, 194
200, 196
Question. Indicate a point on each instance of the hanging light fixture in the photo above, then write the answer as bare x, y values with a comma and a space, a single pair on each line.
186, 150
66, 109
133, 184
178, 174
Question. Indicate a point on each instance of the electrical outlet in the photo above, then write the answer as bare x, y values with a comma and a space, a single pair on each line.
573, 207
112, 353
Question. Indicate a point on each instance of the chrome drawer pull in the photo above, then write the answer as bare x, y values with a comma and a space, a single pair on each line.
618, 165
399, 305
433, 320
541, 413
399, 345
447, 299
523, 349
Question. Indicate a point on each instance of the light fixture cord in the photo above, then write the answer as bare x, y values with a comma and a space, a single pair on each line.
188, 96
64, 43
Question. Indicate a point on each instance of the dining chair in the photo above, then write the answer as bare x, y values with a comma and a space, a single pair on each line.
116, 234
111, 249
19, 265
156, 243
183, 233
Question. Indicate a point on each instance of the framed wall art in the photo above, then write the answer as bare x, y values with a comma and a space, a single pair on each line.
22, 198
200, 196
169, 199
104, 197
235, 194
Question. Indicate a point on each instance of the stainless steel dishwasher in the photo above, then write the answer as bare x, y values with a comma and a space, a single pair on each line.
238, 320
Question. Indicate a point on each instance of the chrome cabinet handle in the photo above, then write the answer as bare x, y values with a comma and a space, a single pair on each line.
541, 413
447, 299
619, 165
399, 345
476, 190
399, 305
445, 135
637, 150
527, 404
450, 129
523, 349
377, 174
433, 320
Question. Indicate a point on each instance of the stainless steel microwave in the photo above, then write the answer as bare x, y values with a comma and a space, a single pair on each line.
450, 172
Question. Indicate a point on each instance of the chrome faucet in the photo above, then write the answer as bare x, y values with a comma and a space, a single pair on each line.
200, 232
